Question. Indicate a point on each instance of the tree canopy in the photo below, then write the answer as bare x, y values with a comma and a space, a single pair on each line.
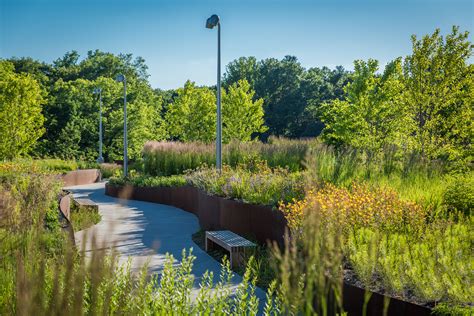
21, 121
423, 102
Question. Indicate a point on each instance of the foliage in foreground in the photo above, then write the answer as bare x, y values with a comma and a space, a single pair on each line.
435, 266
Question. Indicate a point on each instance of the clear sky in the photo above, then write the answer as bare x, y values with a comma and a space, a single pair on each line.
171, 36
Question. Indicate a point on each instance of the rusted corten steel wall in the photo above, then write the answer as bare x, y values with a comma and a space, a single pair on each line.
214, 213
83, 176
353, 302
65, 210
65, 205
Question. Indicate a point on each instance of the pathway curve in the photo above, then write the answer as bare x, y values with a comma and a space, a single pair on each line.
145, 231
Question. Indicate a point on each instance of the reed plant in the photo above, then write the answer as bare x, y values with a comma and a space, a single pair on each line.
432, 267
168, 158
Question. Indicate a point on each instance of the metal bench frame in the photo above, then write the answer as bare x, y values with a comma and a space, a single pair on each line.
233, 243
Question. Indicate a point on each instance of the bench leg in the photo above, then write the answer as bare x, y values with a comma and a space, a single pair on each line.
235, 258
208, 244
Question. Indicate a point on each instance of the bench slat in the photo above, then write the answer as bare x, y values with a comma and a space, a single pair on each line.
231, 242
85, 202
229, 238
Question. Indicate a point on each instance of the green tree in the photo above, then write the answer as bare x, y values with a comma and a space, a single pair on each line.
73, 119
318, 86
143, 118
242, 68
192, 115
291, 93
21, 121
278, 84
372, 115
440, 93
241, 116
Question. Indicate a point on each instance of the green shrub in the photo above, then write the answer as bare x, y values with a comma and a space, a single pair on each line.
147, 181
109, 170
83, 217
459, 195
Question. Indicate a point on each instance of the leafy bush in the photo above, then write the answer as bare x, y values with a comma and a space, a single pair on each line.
109, 170
83, 217
258, 184
459, 195
168, 158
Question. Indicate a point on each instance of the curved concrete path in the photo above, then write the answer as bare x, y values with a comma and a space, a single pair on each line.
143, 231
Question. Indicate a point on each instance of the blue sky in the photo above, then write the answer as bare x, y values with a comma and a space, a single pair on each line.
171, 36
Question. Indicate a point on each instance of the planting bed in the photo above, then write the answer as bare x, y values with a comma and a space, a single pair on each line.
214, 213
265, 224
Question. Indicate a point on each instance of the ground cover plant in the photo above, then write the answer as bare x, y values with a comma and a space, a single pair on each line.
148, 181
255, 184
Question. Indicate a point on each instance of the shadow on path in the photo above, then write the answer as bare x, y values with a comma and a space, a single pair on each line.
143, 231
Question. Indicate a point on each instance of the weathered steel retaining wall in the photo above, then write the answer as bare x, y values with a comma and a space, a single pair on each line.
214, 213
353, 302
83, 176
65, 212
259, 221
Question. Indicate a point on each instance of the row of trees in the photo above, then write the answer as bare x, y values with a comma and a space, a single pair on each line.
70, 110
423, 102
58, 115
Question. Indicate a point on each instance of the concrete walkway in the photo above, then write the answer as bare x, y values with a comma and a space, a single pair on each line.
145, 231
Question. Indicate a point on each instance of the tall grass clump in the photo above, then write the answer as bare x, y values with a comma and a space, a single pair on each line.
309, 269
169, 158
413, 178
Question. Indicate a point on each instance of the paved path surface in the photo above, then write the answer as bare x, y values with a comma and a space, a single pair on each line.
145, 231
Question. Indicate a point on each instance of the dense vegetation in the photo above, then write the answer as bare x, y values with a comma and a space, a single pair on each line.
421, 103
382, 198
40, 273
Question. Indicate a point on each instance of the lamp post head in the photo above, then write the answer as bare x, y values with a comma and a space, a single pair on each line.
120, 78
212, 21
97, 91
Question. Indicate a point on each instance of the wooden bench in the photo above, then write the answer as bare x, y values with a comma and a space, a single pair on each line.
235, 244
86, 204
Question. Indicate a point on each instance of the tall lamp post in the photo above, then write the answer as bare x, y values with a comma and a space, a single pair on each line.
121, 78
99, 92
212, 22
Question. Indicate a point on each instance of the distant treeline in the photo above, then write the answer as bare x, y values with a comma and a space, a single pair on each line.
422, 103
